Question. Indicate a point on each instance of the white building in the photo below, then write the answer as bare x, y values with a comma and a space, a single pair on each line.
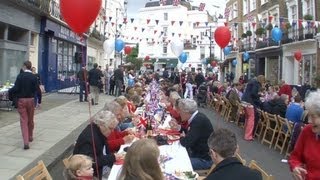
158, 25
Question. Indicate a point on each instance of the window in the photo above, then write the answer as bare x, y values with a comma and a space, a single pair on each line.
253, 5
293, 12
235, 10
165, 31
165, 16
309, 7
67, 68
165, 48
245, 7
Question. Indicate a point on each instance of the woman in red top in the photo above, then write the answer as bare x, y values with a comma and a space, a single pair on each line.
304, 160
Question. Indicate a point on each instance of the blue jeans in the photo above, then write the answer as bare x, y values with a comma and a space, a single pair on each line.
200, 164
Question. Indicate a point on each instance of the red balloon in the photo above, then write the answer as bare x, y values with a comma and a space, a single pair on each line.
127, 50
298, 55
147, 58
80, 14
214, 63
222, 36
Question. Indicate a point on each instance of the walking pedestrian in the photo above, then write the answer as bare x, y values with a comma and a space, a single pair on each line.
95, 83
26, 87
82, 76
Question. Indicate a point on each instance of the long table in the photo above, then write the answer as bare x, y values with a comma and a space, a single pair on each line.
180, 160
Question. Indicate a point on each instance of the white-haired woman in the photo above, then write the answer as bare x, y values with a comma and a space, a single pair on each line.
94, 139
304, 160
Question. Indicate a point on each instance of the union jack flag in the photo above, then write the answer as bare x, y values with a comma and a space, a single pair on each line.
176, 2
202, 6
250, 17
163, 2
226, 12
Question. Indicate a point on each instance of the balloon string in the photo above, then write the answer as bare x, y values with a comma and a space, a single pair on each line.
90, 112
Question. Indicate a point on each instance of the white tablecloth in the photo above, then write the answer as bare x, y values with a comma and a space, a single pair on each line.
180, 160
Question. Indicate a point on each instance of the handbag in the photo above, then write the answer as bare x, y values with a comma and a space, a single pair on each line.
42, 89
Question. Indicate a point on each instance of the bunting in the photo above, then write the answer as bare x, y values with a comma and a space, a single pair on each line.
172, 23
176, 2
157, 22
148, 21
125, 20
132, 19
202, 6
180, 22
110, 18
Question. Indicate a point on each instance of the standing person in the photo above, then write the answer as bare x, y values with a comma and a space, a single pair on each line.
189, 86
131, 78
199, 79
106, 75
82, 76
251, 96
95, 83
118, 78
38, 95
26, 87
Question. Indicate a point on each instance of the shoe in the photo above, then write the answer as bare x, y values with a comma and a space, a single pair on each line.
30, 139
86, 100
26, 146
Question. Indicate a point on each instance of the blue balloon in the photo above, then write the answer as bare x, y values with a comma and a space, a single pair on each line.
226, 50
183, 57
119, 45
246, 56
276, 34
234, 62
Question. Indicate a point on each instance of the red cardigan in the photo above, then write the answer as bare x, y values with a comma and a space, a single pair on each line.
306, 153
115, 140
176, 116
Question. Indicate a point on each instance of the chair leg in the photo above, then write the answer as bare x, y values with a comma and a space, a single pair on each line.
272, 139
264, 136
277, 141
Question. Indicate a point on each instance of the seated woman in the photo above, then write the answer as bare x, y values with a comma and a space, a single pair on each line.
305, 158
141, 162
92, 139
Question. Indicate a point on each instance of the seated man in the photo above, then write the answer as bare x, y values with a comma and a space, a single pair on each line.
197, 134
223, 147
295, 110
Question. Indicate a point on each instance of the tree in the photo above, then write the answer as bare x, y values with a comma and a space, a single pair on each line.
132, 58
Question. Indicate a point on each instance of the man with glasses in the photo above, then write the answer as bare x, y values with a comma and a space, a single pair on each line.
222, 149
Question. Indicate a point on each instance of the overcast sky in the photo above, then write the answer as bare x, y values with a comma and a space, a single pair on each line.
211, 6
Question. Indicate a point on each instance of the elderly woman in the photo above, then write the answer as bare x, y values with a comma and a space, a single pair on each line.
141, 162
92, 139
304, 159
197, 134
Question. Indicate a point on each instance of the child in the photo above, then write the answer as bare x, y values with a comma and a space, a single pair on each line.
79, 168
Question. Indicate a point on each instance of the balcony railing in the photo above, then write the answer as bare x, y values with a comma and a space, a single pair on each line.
293, 35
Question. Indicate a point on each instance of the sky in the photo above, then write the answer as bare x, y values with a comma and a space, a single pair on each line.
211, 6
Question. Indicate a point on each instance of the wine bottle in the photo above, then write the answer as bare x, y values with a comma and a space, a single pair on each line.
149, 129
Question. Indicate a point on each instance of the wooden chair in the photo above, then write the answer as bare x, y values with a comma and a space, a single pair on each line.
66, 161
265, 176
205, 173
284, 134
240, 113
39, 172
243, 161
261, 126
227, 113
271, 129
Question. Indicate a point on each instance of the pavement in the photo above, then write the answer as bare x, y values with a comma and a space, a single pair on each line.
58, 125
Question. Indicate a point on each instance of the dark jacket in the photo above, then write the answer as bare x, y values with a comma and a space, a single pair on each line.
197, 136
118, 75
81, 75
95, 77
231, 169
26, 85
199, 79
251, 93
275, 106
84, 146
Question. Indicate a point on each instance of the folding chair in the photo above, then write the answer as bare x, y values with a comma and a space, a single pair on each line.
265, 176
271, 129
284, 134
243, 161
39, 172
261, 125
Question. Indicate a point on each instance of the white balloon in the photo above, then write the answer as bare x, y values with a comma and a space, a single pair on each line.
177, 47
108, 46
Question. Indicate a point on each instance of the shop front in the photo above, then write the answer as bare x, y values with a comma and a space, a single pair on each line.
62, 54
304, 71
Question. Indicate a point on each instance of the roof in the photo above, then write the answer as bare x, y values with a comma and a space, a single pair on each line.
168, 2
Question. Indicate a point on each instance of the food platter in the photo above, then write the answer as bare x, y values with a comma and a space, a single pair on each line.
186, 175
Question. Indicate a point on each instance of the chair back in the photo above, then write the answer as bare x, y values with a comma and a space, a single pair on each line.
272, 121
39, 172
243, 161
282, 123
66, 161
265, 176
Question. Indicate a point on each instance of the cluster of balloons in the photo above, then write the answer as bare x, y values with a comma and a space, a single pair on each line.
177, 47
110, 45
227, 50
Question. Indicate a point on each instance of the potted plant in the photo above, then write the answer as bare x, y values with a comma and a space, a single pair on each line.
260, 31
308, 17
244, 35
269, 27
249, 33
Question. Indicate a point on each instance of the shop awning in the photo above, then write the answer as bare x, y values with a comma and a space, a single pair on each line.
169, 62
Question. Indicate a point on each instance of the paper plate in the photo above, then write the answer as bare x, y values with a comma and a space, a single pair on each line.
183, 176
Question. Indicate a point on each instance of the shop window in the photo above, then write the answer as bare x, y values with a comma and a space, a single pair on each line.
17, 34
